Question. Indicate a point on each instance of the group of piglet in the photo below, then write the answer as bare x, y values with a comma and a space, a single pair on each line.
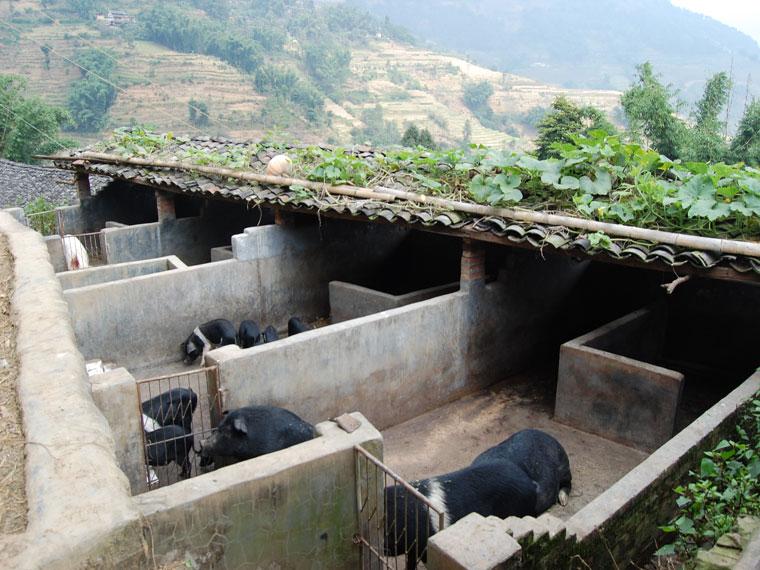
242, 434
524, 475
221, 332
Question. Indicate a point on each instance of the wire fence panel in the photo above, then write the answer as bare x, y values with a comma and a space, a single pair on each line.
177, 411
83, 250
395, 519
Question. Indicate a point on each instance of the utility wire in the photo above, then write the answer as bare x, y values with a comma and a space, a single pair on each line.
43, 133
115, 60
94, 74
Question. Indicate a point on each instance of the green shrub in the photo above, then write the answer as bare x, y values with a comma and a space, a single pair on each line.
724, 488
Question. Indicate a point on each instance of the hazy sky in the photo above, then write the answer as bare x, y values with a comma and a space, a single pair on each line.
743, 15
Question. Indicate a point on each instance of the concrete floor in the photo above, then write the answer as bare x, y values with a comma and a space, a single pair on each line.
450, 437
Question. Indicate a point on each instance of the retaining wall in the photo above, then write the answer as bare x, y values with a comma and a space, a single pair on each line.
71, 470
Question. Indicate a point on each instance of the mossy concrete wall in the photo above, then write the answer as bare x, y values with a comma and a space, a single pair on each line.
296, 508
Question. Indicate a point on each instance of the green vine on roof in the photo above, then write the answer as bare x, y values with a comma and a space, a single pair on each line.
597, 176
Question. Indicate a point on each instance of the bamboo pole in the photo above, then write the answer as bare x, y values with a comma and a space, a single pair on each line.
718, 245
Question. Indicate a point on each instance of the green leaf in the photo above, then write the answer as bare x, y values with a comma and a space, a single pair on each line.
479, 189
709, 208
601, 186
600, 240
754, 469
667, 550
682, 501
684, 525
707, 468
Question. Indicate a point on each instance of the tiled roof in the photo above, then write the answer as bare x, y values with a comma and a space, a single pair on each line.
532, 234
22, 183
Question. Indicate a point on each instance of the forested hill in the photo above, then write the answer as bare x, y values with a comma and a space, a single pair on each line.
582, 43
318, 72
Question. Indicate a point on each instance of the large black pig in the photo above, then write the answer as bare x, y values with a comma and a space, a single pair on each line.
542, 458
255, 430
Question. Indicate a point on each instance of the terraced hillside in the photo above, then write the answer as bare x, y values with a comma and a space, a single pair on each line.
155, 84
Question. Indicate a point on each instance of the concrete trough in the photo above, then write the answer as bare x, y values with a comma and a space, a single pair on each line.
117, 272
608, 385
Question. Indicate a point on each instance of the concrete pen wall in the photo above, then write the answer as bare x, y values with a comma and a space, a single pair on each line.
391, 366
142, 321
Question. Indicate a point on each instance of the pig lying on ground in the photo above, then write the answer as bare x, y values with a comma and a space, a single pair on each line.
524, 475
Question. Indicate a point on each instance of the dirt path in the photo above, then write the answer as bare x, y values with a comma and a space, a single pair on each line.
12, 459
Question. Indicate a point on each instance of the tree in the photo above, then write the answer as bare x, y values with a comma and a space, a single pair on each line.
198, 112
565, 119
476, 95
28, 126
745, 147
328, 65
85, 9
376, 131
92, 95
706, 141
414, 137
651, 114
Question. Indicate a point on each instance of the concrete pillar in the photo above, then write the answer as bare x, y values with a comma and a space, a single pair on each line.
165, 206
84, 192
115, 394
473, 270
473, 543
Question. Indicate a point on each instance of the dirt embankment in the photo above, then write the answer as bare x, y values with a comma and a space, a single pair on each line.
12, 459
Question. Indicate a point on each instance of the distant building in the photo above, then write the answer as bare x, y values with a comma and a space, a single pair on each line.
118, 18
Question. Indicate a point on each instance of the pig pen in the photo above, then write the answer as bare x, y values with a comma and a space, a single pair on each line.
275, 272
298, 506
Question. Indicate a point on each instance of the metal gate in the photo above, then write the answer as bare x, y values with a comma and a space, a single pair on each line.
169, 450
395, 519
74, 247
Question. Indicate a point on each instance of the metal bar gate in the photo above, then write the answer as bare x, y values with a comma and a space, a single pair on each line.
395, 519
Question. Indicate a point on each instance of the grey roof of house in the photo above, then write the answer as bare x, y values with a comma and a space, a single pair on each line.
524, 233
22, 183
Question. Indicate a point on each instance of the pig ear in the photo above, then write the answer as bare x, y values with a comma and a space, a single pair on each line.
239, 424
